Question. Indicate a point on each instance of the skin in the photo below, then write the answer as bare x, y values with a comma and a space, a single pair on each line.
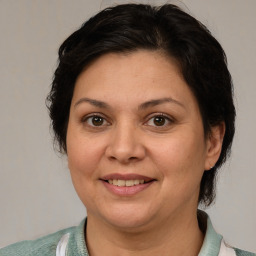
128, 140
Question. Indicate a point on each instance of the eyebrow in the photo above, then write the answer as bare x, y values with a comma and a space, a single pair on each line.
155, 102
96, 103
145, 105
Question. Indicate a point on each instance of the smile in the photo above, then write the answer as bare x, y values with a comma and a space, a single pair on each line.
125, 183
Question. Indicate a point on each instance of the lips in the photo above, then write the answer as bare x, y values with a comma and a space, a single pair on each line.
117, 176
128, 180
128, 184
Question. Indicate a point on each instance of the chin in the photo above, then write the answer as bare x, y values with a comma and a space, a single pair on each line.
128, 219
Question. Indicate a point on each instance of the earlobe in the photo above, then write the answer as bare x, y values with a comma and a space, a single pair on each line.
214, 145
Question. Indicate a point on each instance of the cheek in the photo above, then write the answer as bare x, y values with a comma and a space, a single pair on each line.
181, 157
180, 165
83, 162
83, 154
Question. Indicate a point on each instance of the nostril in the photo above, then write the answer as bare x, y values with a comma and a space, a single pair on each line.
125, 152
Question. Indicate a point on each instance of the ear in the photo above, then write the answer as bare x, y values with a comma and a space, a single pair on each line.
214, 145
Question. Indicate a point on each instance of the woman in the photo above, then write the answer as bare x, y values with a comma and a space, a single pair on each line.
141, 103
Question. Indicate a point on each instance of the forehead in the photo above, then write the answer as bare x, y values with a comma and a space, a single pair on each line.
140, 75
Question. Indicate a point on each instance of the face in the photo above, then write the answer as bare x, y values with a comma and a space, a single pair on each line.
135, 140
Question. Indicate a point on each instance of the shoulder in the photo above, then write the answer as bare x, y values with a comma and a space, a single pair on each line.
43, 246
214, 243
227, 250
240, 252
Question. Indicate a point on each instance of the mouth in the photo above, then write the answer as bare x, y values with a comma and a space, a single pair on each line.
128, 184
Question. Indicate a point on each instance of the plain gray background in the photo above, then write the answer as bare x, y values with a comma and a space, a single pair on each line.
36, 194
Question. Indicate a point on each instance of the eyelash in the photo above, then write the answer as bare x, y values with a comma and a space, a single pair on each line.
161, 115
106, 123
95, 115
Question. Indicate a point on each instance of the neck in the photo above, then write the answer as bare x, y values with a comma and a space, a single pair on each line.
180, 236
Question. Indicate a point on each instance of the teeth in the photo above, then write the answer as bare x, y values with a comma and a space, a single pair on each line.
120, 183
126, 183
136, 182
129, 183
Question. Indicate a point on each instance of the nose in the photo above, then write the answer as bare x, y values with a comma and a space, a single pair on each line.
125, 145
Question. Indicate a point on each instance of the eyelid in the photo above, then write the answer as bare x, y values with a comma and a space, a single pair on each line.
167, 117
95, 114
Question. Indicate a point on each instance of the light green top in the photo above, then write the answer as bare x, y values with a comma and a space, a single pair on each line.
71, 242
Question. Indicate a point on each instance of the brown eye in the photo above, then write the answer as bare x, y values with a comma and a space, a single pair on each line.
159, 120
96, 121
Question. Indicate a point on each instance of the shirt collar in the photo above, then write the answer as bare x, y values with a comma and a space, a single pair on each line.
212, 240
211, 245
